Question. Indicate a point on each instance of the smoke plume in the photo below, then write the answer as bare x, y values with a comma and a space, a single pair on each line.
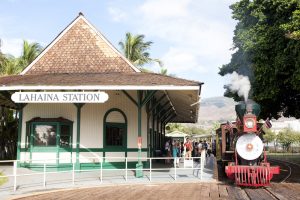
240, 84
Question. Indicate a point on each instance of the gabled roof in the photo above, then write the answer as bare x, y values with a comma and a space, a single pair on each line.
80, 48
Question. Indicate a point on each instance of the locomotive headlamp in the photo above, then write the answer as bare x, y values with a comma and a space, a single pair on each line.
249, 146
249, 123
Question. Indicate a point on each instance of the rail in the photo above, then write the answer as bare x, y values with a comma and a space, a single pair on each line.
101, 160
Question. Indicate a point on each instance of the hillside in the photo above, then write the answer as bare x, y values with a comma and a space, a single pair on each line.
216, 109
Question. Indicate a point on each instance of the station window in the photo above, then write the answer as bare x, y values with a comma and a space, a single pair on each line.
50, 132
115, 129
65, 135
44, 135
115, 135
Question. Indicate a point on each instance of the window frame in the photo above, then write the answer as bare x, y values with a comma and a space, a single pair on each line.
32, 128
122, 147
70, 124
57, 122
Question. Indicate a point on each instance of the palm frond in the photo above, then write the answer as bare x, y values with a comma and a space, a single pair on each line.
135, 49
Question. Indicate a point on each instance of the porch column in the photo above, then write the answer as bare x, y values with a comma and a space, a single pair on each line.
20, 121
140, 103
78, 106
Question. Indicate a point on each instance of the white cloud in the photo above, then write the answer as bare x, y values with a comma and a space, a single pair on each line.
12, 46
198, 35
183, 25
117, 14
178, 61
158, 9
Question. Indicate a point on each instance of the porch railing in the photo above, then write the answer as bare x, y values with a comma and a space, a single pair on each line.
73, 170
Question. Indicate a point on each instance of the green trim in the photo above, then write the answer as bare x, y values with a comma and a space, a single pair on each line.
140, 96
114, 109
162, 108
119, 125
54, 149
130, 97
157, 103
166, 113
78, 106
148, 97
169, 118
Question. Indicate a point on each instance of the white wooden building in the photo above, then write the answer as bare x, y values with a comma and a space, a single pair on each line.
71, 130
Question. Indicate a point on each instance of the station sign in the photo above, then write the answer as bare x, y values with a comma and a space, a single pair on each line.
59, 97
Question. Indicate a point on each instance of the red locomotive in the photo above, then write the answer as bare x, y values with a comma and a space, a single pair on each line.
240, 148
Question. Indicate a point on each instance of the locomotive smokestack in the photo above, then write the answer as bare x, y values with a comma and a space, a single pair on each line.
249, 108
244, 107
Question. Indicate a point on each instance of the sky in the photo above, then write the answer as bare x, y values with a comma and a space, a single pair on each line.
192, 38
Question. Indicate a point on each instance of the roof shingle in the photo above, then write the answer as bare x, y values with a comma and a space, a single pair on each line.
80, 48
136, 79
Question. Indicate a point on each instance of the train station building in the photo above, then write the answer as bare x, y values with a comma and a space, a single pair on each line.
80, 99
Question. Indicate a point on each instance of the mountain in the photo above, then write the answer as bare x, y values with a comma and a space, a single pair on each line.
216, 109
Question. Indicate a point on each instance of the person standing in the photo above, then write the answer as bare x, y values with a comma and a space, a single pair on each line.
167, 151
200, 148
208, 149
205, 147
175, 152
188, 148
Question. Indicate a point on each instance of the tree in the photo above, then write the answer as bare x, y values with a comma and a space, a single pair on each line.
293, 27
2, 56
286, 138
267, 50
269, 136
29, 53
176, 127
9, 65
190, 130
163, 71
136, 49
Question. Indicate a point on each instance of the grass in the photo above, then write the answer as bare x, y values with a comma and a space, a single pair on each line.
2, 179
286, 156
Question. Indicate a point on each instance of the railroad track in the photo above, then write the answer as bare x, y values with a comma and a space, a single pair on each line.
285, 186
278, 189
291, 173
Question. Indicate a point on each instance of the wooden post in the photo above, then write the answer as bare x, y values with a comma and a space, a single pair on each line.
78, 106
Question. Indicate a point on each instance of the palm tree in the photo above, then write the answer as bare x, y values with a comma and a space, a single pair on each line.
10, 65
30, 52
163, 71
2, 56
135, 49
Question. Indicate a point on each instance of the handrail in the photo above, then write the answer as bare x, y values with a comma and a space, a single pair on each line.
126, 160
95, 157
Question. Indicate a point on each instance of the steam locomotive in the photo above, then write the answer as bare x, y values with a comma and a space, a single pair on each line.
240, 148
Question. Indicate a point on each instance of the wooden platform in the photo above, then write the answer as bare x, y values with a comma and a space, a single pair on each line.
172, 191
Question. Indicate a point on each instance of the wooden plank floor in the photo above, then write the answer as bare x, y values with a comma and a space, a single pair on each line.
174, 191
